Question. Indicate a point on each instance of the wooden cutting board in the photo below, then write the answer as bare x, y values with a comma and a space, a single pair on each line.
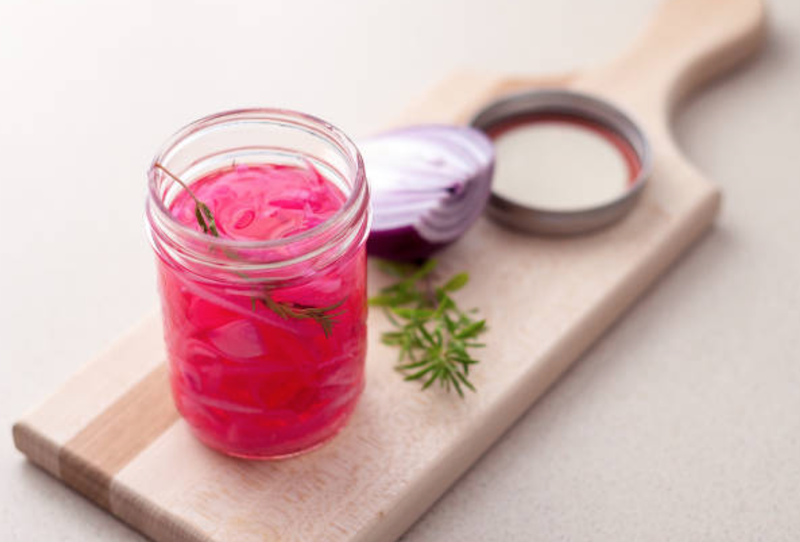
113, 434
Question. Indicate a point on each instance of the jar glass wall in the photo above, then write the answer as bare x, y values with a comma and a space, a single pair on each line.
266, 338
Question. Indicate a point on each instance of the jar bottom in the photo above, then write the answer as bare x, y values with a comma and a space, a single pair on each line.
330, 433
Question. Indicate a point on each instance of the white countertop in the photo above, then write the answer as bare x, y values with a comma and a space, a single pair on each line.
683, 423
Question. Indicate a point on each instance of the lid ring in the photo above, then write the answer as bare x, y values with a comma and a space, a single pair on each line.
534, 219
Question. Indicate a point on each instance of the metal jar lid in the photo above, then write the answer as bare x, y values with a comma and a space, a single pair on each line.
569, 104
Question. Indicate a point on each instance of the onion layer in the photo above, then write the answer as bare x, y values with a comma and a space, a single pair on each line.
428, 185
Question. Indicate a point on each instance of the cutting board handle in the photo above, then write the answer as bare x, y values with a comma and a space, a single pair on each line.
686, 43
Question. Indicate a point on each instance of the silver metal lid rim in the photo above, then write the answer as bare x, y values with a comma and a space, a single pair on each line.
573, 221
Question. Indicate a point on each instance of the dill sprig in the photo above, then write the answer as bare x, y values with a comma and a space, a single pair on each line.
433, 334
324, 316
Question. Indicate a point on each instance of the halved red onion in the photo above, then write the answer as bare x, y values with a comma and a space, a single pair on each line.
428, 185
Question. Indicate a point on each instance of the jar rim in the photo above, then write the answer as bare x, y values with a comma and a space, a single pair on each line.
331, 132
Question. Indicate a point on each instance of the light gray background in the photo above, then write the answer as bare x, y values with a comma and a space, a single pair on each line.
683, 423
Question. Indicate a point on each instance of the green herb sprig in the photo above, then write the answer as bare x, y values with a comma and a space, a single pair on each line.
324, 316
434, 335
205, 218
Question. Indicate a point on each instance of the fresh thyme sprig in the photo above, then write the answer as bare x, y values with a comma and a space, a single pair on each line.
324, 316
433, 334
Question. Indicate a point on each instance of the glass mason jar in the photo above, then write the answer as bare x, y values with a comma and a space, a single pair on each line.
266, 339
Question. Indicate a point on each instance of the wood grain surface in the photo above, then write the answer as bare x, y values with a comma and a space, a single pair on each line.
113, 434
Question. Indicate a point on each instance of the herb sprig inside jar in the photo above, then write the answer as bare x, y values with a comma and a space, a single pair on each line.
324, 316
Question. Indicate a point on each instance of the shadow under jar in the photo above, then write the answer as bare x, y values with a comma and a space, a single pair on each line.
264, 309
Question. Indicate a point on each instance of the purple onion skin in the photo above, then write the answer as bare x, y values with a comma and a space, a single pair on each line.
462, 152
401, 245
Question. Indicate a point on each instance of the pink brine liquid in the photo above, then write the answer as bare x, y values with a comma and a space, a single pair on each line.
249, 382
